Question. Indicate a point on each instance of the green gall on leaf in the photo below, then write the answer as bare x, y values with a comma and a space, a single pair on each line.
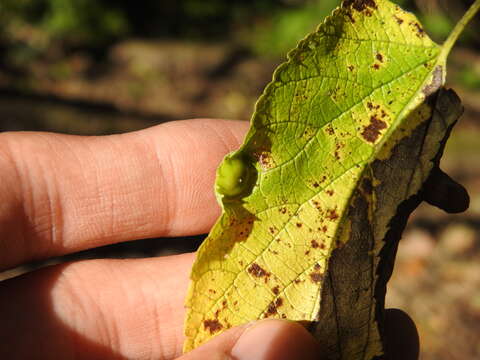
235, 177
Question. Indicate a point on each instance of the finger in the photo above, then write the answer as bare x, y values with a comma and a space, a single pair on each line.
263, 340
62, 193
96, 309
442, 191
111, 309
402, 337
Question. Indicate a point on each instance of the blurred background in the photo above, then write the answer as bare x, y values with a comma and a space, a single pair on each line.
101, 67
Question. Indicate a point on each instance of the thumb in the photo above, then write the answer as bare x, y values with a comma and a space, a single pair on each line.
262, 340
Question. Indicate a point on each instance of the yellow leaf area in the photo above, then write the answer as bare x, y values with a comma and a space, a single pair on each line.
338, 104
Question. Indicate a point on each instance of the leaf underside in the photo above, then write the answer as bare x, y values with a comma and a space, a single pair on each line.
340, 143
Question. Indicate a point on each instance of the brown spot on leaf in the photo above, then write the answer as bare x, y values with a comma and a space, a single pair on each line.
283, 210
307, 252
271, 310
257, 271
398, 19
324, 229
273, 306
276, 290
419, 29
271, 229
264, 158
315, 244
332, 214
316, 184
329, 130
316, 204
379, 57
330, 192
317, 267
372, 131
376, 66
316, 277
299, 225
351, 67
360, 5
212, 326
350, 16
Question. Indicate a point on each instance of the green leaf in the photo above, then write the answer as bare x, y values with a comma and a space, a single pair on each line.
314, 201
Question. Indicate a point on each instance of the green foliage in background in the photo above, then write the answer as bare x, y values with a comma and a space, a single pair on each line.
268, 28
271, 26
83, 20
75, 22
282, 30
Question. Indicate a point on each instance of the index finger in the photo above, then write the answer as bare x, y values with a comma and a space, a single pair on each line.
63, 193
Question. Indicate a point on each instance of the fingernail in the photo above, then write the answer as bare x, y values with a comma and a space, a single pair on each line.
275, 339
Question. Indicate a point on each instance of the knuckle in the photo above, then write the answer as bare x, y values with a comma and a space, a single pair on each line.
31, 207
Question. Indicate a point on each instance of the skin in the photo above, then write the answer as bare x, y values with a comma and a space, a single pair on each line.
60, 194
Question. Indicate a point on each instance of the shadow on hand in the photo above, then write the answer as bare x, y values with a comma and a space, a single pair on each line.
31, 327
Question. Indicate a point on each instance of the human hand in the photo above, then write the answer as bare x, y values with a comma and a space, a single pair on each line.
61, 194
